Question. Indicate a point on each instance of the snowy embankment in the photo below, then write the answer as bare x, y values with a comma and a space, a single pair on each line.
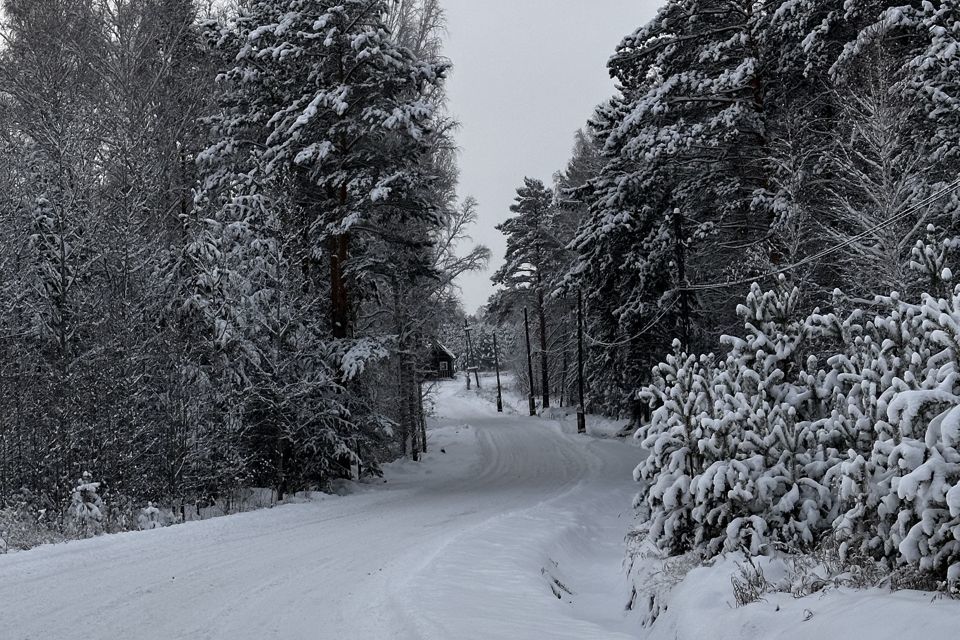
703, 605
512, 528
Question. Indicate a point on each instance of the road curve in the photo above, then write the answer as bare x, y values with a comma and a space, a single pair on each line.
471, 543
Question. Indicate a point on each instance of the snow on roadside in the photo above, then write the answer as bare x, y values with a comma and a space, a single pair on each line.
579, 562
597, 426
507, 513
702, 605
514, 402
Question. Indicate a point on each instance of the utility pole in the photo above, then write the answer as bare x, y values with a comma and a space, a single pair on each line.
421, 418
476, 369
496, 364
681, 258
466, 358
526, 326
581, 416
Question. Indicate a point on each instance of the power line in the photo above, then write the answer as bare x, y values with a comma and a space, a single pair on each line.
825, 252
642, 333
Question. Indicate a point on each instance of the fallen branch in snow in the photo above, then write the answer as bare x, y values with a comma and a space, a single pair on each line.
556, 586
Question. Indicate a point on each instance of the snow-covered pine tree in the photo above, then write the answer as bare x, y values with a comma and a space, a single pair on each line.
802, 39
777, 396
410, 281
622, 266
531, 265
696, 79
86, 507
570, 210
921, 429
681, 196
317, 157
745, 431
933, 68
339, 107
869, 355
681, 396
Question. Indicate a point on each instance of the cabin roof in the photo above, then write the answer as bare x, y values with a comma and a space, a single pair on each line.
444, 350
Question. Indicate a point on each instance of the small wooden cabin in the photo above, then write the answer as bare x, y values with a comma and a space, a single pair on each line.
443, 363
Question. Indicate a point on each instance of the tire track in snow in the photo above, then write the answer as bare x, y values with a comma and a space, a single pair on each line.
509, 578
434, 553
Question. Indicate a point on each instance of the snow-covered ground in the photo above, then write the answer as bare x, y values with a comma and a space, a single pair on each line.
506, 512
703, 606
513, 528
516, 402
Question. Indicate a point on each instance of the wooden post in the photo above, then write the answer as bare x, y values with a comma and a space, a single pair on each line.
466, 357
681, 259
581, 416
496, 364
422, 418
476, 367
526, 326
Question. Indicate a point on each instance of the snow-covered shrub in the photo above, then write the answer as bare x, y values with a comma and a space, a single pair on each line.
3, 544
826, 567
735, 461
777, 445
28, 521
777, 394
86, 507
682, 394
149, 518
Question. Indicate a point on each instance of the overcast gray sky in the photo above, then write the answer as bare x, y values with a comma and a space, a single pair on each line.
527, 74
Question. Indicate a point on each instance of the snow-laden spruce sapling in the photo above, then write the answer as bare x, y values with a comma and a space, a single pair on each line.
86, 507
149, 517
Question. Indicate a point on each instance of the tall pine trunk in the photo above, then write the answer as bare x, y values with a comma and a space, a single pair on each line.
544, 369
412, 399
421, 416
563, 376
339, 248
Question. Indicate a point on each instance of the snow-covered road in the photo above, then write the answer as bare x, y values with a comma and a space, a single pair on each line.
472, 543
